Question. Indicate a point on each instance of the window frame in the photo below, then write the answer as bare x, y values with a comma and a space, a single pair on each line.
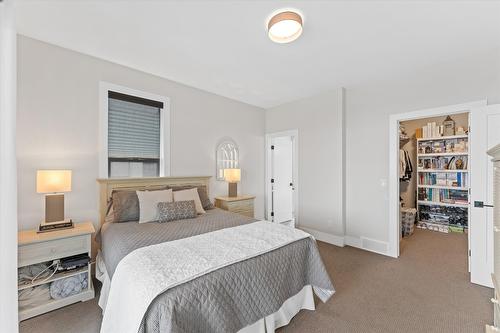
165, 130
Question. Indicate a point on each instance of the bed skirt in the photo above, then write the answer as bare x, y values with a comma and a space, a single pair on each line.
304, 299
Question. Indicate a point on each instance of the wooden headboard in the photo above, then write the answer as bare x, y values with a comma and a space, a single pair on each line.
107, 185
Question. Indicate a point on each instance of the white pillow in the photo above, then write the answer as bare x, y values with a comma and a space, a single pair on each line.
148, 204
191, 194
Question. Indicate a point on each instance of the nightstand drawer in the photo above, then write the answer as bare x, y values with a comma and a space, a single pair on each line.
50, 250
246, 212
240, 205
244, 205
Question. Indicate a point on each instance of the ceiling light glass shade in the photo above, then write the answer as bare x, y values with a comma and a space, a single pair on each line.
285, 27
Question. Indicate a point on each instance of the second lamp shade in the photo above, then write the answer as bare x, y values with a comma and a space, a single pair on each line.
232, 175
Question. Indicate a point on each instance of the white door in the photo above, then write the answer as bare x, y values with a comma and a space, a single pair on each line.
485, 133
281, 182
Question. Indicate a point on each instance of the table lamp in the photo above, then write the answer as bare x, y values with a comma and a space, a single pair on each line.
232, 176
53, 183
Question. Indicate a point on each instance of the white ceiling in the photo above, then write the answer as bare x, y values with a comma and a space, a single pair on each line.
222, 46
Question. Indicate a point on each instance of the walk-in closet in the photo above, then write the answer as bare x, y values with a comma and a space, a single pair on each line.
434, 179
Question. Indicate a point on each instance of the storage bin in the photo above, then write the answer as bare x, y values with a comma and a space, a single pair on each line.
407, 217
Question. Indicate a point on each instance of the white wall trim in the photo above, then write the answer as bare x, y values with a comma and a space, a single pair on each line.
393, 232
325, 236
8, 172
353, 241
295, 134
343, 179
358, 242
165, 129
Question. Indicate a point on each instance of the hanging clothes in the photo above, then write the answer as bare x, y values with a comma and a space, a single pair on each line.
402, 164
405, 166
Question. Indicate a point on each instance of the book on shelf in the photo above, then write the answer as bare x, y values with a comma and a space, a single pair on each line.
456, 229
52, 226
448, 196
451, 163
457, 216
433, 226
432, 130
450, 179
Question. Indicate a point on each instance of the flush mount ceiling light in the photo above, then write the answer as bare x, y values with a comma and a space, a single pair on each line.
285, 27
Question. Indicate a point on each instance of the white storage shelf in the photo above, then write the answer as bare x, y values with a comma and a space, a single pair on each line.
57, 276
451, 137
444, 187
422, 142
54, 304
442, 170
443, 154
445, 204
37, 248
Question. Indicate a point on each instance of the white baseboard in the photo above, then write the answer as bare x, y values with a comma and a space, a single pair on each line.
353, 241
363, 243
325, 237
368, 244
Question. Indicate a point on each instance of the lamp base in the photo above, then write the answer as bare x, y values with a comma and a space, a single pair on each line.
232, 190
54, 208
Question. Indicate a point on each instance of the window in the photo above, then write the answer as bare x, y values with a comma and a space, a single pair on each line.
134, 139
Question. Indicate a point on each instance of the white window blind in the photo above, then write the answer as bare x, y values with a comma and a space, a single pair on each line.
133, 136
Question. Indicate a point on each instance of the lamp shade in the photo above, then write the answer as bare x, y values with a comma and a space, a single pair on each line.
232, 175
52, 181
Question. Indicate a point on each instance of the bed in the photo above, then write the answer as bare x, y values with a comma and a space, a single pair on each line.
256, 293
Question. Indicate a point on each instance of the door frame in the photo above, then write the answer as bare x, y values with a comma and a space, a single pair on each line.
8, 170
295, 134
483, 264
394, 120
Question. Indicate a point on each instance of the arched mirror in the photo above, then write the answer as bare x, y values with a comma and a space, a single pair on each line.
227, 156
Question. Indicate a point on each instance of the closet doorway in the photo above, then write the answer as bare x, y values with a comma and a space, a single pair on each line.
282, 177
434, 175
433, 181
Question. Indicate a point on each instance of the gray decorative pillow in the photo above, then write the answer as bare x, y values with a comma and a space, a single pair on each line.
202, 192
125, 206
125, 203
177, 210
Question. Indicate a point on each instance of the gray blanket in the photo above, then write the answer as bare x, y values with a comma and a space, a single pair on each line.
227, 299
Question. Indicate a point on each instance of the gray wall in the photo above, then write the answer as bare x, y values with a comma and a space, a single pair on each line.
58, 127
367, 110
319, 123
367, 128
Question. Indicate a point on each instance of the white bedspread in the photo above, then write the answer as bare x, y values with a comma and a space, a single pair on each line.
147, 272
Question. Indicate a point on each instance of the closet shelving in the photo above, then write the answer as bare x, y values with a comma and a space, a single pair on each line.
444, 154
439, 170
442, 187
444, 204
443, 183
57, 276
450, 137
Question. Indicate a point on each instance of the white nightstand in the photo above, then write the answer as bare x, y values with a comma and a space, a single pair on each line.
242, 204
34, 248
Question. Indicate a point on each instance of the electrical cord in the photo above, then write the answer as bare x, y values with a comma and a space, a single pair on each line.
55, 263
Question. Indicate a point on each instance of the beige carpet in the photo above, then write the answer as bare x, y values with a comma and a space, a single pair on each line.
425, 290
